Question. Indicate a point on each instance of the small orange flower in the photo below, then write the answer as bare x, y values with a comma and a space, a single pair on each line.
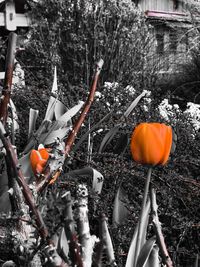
151, 143
38, 159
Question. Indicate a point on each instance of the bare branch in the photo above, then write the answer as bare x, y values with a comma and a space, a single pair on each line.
42, 229
6, 92
47, 176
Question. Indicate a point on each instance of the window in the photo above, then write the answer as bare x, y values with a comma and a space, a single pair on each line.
160, 43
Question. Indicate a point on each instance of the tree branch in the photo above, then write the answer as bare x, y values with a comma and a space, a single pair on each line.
6, 92
47, 176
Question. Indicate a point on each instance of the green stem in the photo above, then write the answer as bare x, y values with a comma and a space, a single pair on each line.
144, 201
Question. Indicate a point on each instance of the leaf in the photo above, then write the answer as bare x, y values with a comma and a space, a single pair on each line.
153, 260
71, 112
34, 140
82, 172
120, 211
145, 252
60, 109
52, 136
97, 182
5, 204
133, 104
97, 177
63, 245
122, 144
33, 114
131, 252
108, 138
52, 101
26, 168
106, 238
196, 261
77, 145
50, 109
58, 158
54, 89
174, 141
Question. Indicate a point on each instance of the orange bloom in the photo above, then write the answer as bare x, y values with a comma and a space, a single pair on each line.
151, 143
38, 159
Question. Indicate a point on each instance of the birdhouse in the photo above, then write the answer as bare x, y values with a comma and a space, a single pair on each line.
12, 14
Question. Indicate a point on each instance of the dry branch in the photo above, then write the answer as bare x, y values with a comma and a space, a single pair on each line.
12, 157
47, 176
6, 92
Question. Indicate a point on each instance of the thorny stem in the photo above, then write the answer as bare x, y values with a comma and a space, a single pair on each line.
139, 234
47, 176
12, 157
6, 92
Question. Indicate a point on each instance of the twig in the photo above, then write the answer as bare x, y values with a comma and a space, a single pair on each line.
157, 228
47, 176
12, 157
21, 180
6, 92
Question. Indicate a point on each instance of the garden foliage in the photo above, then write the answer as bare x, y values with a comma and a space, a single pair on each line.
73, 35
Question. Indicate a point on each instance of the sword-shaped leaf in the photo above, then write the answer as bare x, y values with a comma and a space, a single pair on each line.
153, 260
120, 212
145, 252
121, 144
54, 89
71, 112
26, 168
107, 138
144, 223
106, 238
50, 109
174, 141
60, 109
52, 101
63, 245
134, 104
51, 137
35, 139
5, 204
33, 114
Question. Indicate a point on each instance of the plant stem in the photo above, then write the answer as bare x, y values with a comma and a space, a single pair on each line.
6, 92
139, 234
47, 176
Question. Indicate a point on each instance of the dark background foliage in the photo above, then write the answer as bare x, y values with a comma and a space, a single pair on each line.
73, 35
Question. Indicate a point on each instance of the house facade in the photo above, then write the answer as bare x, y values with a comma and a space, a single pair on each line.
172, 28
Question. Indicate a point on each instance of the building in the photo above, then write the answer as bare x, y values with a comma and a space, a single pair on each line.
172, 28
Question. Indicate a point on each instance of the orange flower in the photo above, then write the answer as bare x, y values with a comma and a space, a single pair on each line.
38, 159
151, 143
